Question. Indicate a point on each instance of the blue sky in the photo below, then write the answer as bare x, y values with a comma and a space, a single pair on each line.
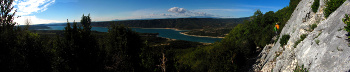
55, 11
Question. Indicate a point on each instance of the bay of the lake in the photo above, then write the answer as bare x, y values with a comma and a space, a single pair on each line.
167, 33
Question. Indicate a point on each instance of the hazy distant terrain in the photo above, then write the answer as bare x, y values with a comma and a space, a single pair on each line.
179, 23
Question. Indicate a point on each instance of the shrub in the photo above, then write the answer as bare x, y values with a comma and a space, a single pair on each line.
300, 69
318, 35
317, 41
315, 5
302, 37
312, 27
346, 20
331, 6
284, 39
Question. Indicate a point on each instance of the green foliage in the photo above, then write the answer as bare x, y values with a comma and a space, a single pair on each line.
317, 41
117, 50
268, 18
331, 6
80, 51
271, 69
150, 58
284, 40
302, 37
312, 27
241, 39
86, 23
346, 20
300, 69
122, 46
210, 58
318, 35
315, 5
20, 50
214, 32
229, 55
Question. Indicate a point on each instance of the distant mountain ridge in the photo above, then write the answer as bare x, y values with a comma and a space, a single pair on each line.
180, 23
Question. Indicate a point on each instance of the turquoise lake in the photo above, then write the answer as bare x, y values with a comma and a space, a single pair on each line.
167, 33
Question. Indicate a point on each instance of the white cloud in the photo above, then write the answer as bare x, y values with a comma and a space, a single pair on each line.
186, 13
26, 7
34, 20
177, 10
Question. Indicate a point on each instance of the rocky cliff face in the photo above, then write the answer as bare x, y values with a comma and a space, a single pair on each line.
325, 49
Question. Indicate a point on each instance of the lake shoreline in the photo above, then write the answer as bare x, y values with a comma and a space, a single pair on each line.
161, 28
184, 33
171, 33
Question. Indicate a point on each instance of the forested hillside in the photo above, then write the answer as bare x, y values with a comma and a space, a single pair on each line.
179, 23
238, 50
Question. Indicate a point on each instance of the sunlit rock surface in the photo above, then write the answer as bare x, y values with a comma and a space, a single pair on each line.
331, 54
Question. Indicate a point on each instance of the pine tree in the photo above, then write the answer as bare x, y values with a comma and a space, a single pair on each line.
123, 48
7, 35
82, 52
20, 50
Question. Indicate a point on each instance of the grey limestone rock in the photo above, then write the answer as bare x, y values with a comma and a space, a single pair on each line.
325, 49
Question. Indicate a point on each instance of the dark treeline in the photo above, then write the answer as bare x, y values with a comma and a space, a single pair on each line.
180, 23
77, 50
